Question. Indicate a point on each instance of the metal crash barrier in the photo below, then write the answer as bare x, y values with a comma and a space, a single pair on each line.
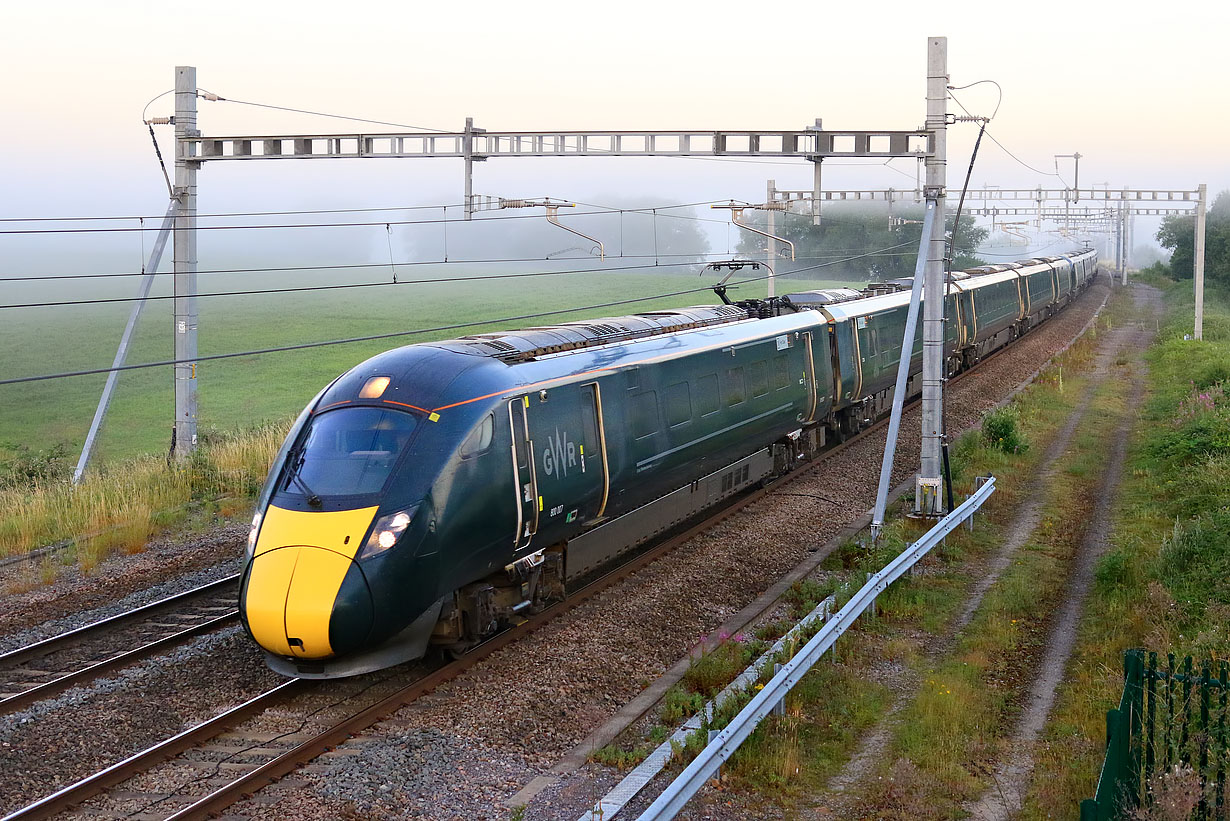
725, 743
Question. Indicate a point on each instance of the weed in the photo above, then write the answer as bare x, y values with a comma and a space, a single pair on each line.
805, 594
1001, 431
773, 630
717, 668
618, 757
24, 467
678, 704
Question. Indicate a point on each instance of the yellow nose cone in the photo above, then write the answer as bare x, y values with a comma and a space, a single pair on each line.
300, 562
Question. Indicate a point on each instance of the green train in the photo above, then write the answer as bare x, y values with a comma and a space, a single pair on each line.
441, 491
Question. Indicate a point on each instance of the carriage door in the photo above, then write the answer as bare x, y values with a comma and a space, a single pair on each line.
593, 448
524, 478
565, 426
809, 378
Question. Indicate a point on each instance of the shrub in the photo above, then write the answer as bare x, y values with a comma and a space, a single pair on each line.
1000, 431
27, 468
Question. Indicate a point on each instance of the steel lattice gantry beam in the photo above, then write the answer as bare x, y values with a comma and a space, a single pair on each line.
1145, 197
481, 145
1052, 213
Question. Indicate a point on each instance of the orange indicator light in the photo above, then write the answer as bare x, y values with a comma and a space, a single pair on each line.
374, 387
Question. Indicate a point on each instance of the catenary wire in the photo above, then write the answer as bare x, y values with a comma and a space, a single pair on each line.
380, 264
1002, 146
437, 207
394, 282
221, 99
421, 331
441, 221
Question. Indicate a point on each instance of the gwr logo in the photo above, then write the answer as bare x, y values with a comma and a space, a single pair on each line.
559, 454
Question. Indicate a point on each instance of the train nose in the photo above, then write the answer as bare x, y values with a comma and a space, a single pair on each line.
307, 602
305, 597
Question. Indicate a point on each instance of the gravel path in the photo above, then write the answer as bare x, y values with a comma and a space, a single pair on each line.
1011, 778
842, 787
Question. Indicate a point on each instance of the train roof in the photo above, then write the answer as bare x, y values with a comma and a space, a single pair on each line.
826, 296
531, 343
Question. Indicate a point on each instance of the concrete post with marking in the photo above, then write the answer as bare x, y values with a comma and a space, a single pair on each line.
185, 319
928, 499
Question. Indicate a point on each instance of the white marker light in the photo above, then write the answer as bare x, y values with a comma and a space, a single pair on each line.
256, 528
386, 532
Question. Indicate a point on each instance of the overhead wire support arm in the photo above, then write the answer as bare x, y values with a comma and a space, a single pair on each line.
736, 213
553, 217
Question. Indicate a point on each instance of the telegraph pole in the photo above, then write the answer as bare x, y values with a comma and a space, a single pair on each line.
928, 498
1199, 262
771, 245
184, 432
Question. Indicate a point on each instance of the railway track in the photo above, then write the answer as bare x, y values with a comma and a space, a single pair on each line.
37, 671
235, 754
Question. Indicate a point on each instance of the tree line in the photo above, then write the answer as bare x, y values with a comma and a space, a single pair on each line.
850, 231
1178, 235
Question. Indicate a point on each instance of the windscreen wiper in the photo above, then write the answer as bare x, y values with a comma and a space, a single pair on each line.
299, 457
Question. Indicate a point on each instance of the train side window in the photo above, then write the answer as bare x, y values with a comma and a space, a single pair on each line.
633, 378
707, 399
644, 420
678, 404
736, 388
781, 373
479, 439
760, 379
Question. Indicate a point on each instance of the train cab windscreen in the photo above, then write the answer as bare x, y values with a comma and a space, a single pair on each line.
348, 452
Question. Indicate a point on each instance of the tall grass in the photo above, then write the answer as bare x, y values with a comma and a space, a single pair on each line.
121, 506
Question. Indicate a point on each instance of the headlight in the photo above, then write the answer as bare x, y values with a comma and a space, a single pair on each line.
387, 531
252, 534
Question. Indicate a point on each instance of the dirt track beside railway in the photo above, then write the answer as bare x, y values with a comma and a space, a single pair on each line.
1012, 776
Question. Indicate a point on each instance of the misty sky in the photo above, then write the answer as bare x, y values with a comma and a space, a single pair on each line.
1139, 91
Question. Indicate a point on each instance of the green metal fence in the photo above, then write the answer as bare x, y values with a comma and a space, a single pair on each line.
1166, 742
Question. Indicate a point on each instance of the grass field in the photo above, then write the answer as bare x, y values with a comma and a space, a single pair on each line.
244, 392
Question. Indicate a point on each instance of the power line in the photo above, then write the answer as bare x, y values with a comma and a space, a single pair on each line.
217, 98
130, 217
382, 265
441, 206
1001, 145
345, 286
444, 220
379, 264
419, 332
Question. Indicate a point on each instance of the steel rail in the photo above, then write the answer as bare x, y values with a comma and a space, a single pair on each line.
63, 640
295, 757
300, 755
50, 688
292, 759
90, 786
